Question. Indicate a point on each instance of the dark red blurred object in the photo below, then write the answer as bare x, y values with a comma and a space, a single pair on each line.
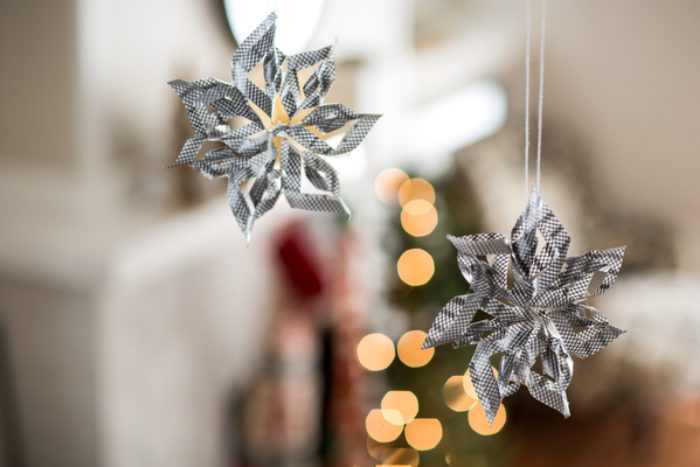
299, 261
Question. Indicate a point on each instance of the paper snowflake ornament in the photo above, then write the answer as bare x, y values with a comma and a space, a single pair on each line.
285, 130
538, 310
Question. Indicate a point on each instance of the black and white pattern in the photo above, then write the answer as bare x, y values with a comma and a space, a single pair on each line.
284, 135
536, 310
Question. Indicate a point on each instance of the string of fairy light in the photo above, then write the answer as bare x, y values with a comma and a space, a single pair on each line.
399, 410
419, 218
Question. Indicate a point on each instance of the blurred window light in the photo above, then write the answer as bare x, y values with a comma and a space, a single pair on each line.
423, 434
480, 424
416, 188
380, 429
296, 20
415, 267
410, 352
351, 166
436, 131
399, 407
419, 218
387, 184
375, 352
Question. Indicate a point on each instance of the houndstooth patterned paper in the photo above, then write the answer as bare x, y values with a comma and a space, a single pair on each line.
541, 314
284, 136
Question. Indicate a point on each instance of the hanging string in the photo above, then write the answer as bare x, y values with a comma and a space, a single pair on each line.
527, 95
540, 105
272, 6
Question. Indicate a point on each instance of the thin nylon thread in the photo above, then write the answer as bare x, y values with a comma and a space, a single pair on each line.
527, 95
541, 103
540, 106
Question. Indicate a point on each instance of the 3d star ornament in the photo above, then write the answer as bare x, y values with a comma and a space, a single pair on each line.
269, 135
538, 310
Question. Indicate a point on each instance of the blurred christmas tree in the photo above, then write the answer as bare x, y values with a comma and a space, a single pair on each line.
420, 290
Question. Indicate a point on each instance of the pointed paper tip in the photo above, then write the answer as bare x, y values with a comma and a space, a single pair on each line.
566, 412
490, 416
334, 45
173, 165
249, 229
346, 209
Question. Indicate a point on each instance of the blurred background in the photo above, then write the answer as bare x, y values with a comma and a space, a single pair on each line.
137, 329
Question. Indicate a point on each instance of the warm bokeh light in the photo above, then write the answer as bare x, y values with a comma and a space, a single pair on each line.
374, 448
419, 218
424, 434
469, 387
480, 424
462, 459
375, 352
415, 267
455, 396
400, 456
409, 349
416, 188
380, 428
387, 185
400, 407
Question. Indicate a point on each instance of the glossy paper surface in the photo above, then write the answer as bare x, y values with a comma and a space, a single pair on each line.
536, 310
284, 129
